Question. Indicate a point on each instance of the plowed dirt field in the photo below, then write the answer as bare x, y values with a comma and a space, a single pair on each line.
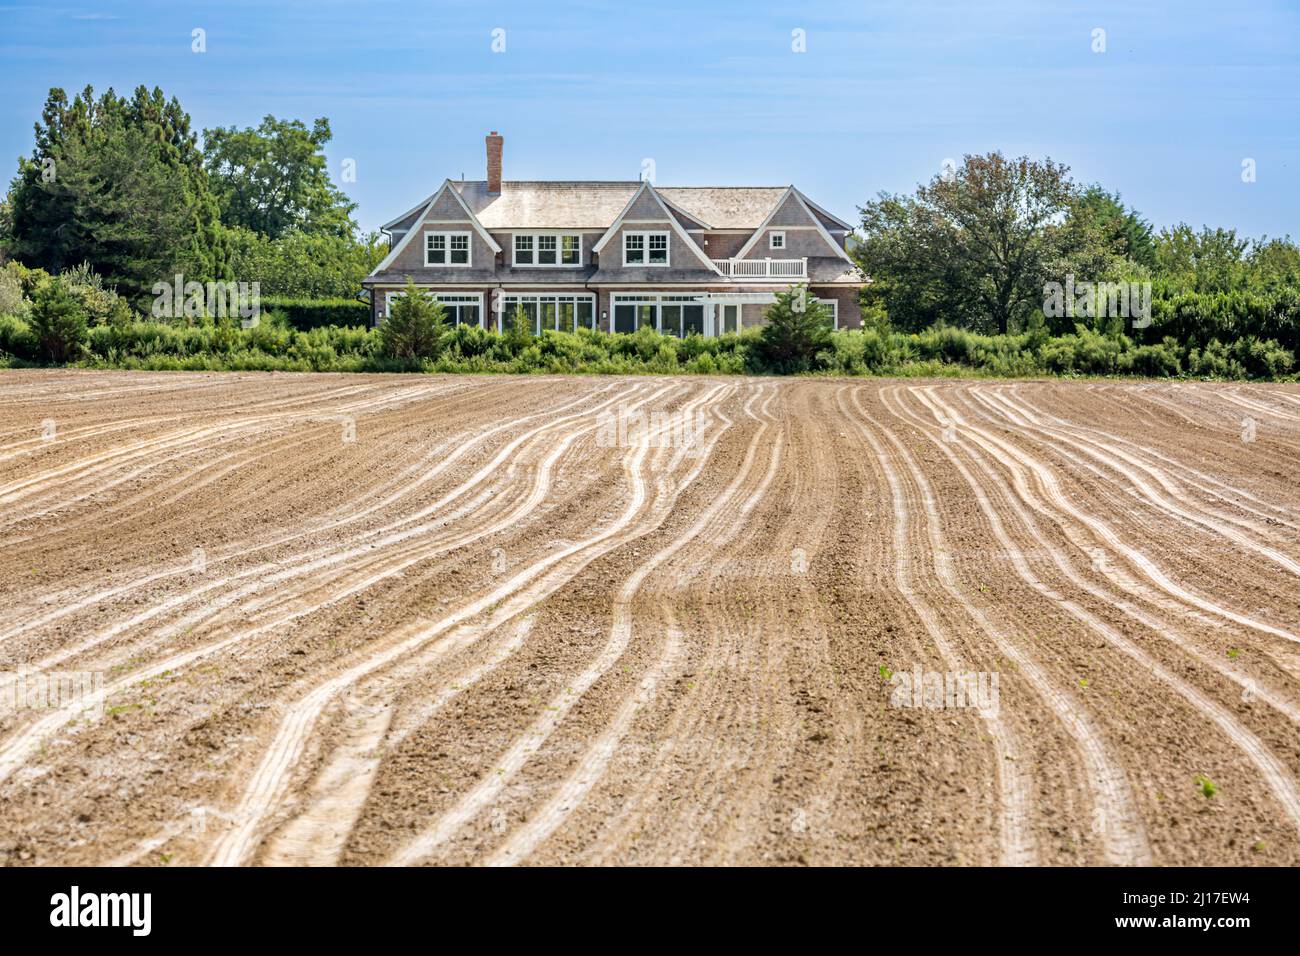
327, 619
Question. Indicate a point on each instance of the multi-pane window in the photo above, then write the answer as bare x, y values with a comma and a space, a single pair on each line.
633, 249
658, 248
557, 313
570, 250
776, 240
459, 308
549, 249
645, 248
446, 249
523, 250
682, 314
676, 315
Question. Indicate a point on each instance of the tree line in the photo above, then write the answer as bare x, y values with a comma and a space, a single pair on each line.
989, 245
1006, 265
124, 186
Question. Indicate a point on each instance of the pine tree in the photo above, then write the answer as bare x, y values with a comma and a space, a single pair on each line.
798, 328
415, 328
117, 183
58, 321
519, 331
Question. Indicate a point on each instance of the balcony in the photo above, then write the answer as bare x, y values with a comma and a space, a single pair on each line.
763, 269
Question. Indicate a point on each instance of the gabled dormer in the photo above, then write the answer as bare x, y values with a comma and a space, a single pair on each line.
444, 242
649, 242
794, 229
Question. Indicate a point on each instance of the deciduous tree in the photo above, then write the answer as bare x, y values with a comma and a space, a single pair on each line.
973, 248
274, 178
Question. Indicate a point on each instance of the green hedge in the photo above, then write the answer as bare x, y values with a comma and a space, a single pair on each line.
936, 352
1199, 318
304, 314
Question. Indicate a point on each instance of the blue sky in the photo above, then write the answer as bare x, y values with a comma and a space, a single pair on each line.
713, 92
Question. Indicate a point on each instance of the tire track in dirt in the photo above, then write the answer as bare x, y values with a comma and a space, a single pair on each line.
1116, 459
1115, 819
541, 824
1117, 594
404, 490
1276, 776
777, 745
316, 836
1241, 401
188, 483
20, 746
1052, 489
692, 765
67, 436
766, 696
273, 573
633, 792
523, 748
1018, 845
519, 593
1179, 472
91, 468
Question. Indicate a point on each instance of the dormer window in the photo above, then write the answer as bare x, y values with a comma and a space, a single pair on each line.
776, 240
446, 249
645, 249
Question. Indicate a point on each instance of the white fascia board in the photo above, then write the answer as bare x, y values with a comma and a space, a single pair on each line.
428, 207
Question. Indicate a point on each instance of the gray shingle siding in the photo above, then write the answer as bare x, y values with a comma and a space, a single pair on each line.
731, 215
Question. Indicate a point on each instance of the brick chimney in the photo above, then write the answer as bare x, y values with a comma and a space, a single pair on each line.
494, 144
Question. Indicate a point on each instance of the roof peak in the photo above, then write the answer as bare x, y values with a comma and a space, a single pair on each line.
596, 182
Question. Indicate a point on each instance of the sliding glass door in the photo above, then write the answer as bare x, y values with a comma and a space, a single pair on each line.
692, 319
728, 319
677, 315
625, 318
551, 313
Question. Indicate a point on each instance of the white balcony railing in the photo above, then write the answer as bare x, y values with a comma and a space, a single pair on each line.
763, 268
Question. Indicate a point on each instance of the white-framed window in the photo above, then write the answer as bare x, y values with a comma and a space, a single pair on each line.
832, 306
676, 314
560, 249
680, 314
645, 249
776, 240
560, 312
461, 308
447, 249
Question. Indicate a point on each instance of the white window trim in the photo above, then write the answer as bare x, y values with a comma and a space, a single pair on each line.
536, 297
559, 247
460, 298
834, 306
469, 250
657, 300
719, 320
712, 323
647, 264
771, 240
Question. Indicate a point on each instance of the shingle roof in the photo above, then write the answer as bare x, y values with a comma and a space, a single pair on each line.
725, 207
595, 205
833, 269
553, 205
